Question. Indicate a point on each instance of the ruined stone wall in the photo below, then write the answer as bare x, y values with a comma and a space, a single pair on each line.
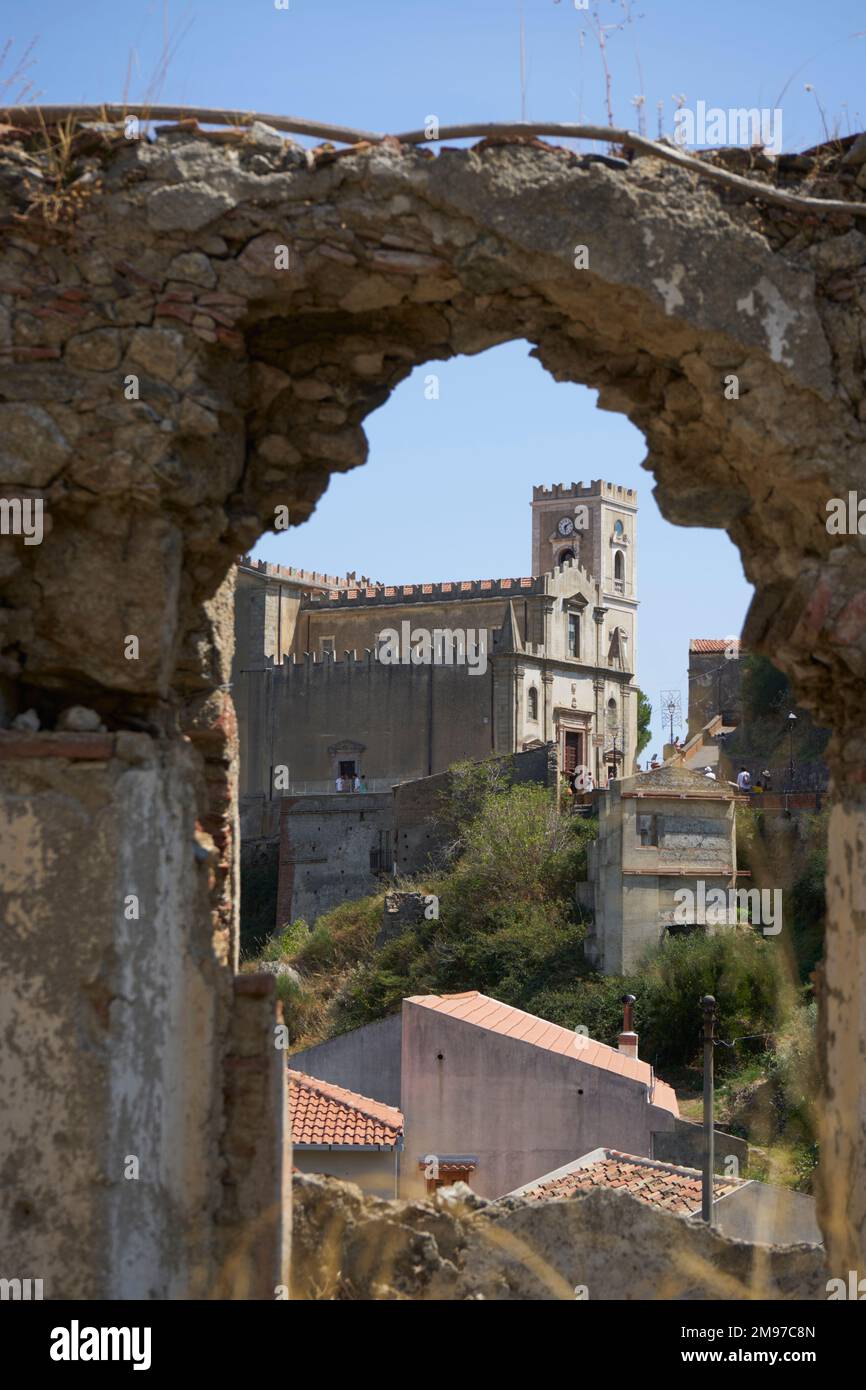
327, 849
605, 1245
191, 334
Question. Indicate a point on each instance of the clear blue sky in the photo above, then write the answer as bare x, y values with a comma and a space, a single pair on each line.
446, 490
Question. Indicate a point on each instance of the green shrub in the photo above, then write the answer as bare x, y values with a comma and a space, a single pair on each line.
508, 925
340, 937
737, 967
469, 785
288, 942
594, 1003
793, 1070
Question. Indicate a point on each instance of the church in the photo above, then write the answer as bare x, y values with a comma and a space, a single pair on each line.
321, 701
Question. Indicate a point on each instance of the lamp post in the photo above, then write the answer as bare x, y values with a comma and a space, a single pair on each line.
708, 1005
615, 731
672, 706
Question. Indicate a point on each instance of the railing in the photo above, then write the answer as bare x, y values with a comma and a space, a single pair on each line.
326, 786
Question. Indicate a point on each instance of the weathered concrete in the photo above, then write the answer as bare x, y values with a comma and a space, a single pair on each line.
659, 833
519, 1109
329, 851
113, 1009
158, 274
367, 1060
376, 1173
684, 1144
771, 1215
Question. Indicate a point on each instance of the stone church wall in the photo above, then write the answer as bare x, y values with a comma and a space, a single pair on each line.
411, 720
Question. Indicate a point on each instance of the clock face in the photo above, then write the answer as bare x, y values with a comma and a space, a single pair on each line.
566, 526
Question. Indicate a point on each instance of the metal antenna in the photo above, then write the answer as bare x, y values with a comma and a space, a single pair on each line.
673, 708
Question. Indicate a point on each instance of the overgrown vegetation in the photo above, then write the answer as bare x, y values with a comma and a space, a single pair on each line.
791, 855
644, 721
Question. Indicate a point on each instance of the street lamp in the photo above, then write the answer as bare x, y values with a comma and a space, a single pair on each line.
614, 732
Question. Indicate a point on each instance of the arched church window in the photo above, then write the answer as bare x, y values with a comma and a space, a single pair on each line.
564, 555
619, 571
533, 702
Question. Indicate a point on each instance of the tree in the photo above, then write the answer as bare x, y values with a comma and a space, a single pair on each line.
644, 719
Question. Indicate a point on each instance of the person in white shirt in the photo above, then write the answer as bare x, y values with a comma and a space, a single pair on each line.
341, 786
708, 772
744, 780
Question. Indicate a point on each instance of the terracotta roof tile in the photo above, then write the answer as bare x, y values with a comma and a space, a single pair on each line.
483, 1012
323, 1113
714, 644
663, 1185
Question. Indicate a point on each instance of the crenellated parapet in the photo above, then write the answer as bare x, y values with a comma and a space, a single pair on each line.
398, 595
307, 579
612, 492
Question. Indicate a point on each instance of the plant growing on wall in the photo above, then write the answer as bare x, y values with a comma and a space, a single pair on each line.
644, 719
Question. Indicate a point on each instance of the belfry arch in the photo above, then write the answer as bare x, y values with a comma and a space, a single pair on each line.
192, 344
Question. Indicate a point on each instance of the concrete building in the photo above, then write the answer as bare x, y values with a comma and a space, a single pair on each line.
346, 1135
501, 1093
367, 1060
658, 833
742, 1209
267, 599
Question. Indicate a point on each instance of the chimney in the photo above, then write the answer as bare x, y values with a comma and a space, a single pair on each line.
628, 1038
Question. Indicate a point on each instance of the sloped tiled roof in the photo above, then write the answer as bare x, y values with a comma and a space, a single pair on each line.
714, 644
663, 1185
324, 1114
504, 1019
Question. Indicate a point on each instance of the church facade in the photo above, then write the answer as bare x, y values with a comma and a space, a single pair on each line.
349, 678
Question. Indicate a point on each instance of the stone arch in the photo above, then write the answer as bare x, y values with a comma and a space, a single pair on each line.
197, 346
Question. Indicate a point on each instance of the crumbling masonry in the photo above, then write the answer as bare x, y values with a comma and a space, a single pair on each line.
169, 376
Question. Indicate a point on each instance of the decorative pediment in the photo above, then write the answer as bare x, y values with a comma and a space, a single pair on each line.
348, 745
575, 603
